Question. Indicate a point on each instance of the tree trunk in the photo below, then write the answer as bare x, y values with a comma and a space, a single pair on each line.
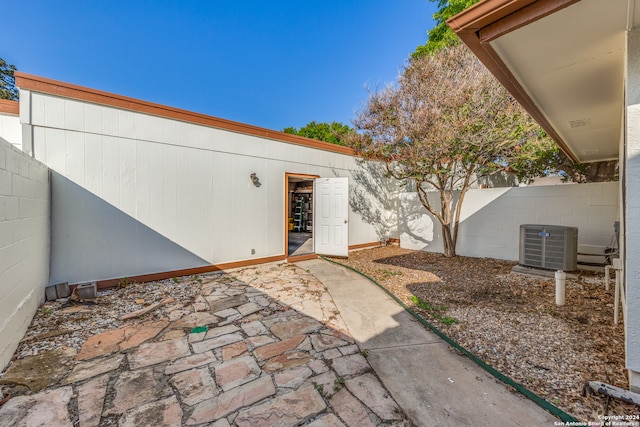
448, 242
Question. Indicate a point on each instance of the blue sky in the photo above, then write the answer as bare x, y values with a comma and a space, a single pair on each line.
273, 64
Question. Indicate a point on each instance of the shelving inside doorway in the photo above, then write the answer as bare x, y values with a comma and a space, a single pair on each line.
302, 212
300, 216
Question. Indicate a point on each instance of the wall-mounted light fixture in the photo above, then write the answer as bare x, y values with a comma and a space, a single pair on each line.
255, 179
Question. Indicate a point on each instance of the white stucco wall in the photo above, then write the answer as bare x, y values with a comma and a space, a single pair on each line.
24, 244
491, 218
631, 179
137, 194
11, 129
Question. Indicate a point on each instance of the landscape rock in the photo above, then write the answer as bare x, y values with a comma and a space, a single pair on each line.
194, 385
48, 408
166, 413
286, 410
38, 372
350, 410
353, 364
236, 371
90, 401
136, 388
230, 401
157, 352
369, 391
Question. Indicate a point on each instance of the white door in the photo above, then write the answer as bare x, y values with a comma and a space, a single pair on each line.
331, 223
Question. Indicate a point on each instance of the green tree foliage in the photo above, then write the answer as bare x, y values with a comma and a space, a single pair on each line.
441, 36
329, 132
447, 123
8, 88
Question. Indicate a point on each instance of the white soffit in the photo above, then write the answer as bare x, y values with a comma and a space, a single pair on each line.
571, 63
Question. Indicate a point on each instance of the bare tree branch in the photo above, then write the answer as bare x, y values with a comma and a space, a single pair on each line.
445, 124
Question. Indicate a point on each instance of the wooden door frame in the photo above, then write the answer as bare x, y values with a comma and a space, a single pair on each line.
288, 175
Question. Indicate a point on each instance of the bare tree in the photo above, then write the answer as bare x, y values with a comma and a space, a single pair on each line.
445, 124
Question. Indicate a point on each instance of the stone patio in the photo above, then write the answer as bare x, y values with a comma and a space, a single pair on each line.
261, 346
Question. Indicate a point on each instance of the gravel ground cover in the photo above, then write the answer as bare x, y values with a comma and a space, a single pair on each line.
512, 323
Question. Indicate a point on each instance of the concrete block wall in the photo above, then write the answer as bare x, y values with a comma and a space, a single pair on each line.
24, 244
491, 218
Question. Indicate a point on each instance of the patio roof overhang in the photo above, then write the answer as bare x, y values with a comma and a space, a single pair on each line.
563, 60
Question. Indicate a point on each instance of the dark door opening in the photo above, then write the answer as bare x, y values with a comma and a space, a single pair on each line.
299, 216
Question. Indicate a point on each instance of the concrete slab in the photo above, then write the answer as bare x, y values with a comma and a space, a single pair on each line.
432, 384
538, 272
372, 317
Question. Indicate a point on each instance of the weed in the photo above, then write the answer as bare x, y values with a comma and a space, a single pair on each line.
389, 273
422, 304
123, 283
174, 279
449, 320
47, 311
555, 401
426, 306
434, 310
365, 353
338, 384
319, 388
197, 278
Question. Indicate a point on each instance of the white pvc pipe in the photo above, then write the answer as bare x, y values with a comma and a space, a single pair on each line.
607, 276
561, 279
617, 266
616, 298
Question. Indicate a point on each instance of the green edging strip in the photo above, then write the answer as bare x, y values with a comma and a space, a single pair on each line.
554, 410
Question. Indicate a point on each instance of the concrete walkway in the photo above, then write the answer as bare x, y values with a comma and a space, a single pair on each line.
432, 384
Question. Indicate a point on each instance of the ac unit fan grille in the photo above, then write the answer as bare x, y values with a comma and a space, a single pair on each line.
549, 246
554, 252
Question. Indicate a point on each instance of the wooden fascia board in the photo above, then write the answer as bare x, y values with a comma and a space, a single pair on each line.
9, 107
68, 90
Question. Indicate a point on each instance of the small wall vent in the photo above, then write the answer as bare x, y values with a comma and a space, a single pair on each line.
551, 247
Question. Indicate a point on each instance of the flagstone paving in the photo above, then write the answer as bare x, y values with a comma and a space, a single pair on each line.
270, 349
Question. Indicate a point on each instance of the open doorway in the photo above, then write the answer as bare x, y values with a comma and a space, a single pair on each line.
299, 214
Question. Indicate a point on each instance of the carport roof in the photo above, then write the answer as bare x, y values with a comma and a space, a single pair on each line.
563, 60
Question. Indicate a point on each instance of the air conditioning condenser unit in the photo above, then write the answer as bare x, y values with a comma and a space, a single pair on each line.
551, 247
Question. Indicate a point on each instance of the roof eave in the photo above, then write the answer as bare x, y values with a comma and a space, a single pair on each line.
478, 25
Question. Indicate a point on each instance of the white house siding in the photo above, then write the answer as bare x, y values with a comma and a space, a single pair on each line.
490, 218
11, 129
136, 194
631, 177
24, 244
